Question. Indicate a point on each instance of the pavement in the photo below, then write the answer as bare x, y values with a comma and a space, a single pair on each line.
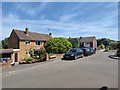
7, 70
93, 71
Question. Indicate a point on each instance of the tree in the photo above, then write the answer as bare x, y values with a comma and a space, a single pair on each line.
5, 43
74, 41
57, 45
105, 41
113, 45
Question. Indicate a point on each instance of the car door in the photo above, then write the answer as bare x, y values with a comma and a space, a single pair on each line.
79, 52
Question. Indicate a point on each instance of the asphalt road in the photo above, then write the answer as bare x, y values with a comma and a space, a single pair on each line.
89, 72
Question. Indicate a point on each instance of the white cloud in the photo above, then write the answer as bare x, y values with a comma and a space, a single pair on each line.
67, 17
100, 28
26, 8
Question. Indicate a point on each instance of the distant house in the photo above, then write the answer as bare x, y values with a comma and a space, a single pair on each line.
88, 42
25, 40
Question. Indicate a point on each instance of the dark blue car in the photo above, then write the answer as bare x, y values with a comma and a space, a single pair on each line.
86, 51
73, 53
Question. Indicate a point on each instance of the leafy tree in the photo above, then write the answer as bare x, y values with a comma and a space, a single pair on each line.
57, 45
113, 45
74, 41
5, 43
107, 42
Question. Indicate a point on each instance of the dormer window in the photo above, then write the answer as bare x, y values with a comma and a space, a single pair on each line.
27, 42
39, 43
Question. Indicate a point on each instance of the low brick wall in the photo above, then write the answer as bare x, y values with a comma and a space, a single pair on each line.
59, 55
6, 65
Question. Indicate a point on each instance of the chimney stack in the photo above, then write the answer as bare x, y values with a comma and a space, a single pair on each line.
26, 31
80, 37
50, 34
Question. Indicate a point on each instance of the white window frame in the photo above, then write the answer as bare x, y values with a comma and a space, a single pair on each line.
36, 43
26, 42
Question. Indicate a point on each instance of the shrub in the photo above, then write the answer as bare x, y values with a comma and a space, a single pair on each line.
31, 52
57, 45
40, 54
102, 46
28, 59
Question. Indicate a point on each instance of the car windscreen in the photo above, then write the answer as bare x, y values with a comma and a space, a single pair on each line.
72, 50
86, 49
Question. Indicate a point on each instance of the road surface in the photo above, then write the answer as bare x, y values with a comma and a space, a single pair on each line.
93, 71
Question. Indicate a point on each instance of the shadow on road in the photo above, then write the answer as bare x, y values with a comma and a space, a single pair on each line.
104, 88
67, 59
114, 57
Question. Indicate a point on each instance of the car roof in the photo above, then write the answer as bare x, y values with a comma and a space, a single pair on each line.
85, 48
74, 48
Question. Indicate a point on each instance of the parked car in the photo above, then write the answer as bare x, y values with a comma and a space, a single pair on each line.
73, 53
86, 51
92, 50
4, 61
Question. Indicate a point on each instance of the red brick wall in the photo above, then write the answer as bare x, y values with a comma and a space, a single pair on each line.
26, 47
95, 43
13, 41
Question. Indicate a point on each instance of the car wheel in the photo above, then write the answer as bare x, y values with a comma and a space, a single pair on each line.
13, 64
82, 55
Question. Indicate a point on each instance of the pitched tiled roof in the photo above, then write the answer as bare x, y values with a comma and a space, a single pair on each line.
87, 39
32, 36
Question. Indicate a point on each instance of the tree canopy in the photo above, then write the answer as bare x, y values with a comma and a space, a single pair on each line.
5, 43
57, 45
75, 42
107, 42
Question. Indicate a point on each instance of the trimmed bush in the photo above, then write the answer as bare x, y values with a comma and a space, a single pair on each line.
57, 45
29, 59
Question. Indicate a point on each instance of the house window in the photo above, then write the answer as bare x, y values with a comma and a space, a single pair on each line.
38, 43
27, 42
86, 44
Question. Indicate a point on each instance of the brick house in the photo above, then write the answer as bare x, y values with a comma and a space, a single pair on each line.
88, 42
25, 40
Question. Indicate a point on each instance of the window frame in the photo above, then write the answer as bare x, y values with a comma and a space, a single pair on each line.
26, 42
38, 43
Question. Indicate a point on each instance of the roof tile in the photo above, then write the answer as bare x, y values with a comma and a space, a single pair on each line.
87, 39
32, 36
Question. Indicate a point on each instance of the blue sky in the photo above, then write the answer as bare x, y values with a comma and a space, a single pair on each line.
62, 19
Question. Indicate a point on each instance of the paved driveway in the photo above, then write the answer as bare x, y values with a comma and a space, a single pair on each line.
89, 72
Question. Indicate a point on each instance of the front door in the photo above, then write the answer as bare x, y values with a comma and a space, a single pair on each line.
16, 57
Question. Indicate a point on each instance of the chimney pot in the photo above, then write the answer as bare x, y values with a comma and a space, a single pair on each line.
80, 37
50, 34
26, 31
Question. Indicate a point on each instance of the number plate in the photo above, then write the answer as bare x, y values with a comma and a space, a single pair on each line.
66, 56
